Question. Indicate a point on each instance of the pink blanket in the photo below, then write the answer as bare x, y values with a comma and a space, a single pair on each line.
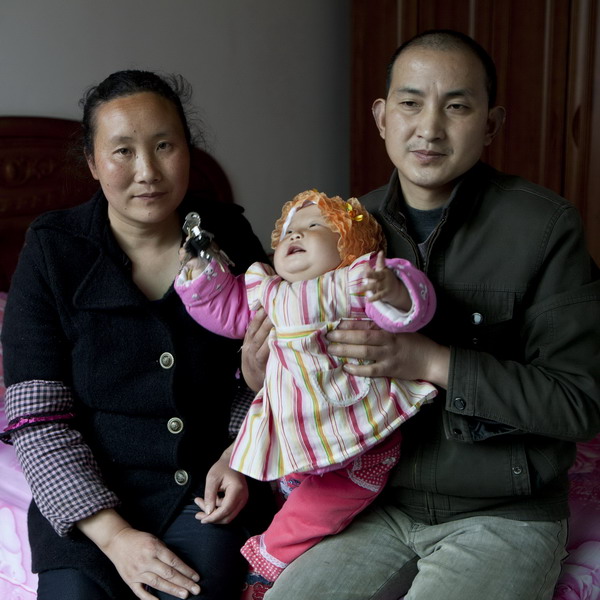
580, 577
16, 580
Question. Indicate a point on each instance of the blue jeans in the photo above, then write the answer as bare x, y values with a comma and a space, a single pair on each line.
384, 554
212, 550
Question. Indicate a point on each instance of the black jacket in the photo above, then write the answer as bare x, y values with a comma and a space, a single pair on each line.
74, 315
519, 306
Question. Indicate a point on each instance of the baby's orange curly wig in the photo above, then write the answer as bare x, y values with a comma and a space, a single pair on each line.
359, 232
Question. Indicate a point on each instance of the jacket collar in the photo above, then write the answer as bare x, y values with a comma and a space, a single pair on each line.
461, 201
101, 289
108, 283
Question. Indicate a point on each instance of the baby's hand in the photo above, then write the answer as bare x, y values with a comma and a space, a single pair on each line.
191, 266
382, 284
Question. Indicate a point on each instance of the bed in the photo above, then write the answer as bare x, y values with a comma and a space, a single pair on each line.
39, 172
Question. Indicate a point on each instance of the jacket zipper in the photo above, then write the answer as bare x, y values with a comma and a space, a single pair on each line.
421, 263
436, 234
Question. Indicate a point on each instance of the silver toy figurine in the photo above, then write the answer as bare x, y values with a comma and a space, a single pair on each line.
201, 243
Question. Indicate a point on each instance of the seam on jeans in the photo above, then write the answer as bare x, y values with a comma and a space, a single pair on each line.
390, 596
560, 546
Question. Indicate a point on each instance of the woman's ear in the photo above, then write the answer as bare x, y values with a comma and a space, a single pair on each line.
496, 117
92, 166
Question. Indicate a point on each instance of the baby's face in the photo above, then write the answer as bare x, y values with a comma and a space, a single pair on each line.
308, 247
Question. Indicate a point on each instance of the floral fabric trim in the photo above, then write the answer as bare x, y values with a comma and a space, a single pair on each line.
29, 420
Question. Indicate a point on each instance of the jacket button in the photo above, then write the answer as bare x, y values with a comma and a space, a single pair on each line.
477, 318
166, 360
175, 425
459, 404
181, 477
517, 470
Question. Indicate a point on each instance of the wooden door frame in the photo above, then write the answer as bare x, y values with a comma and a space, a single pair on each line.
377, 27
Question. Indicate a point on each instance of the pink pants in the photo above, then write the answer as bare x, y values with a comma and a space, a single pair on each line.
320, 505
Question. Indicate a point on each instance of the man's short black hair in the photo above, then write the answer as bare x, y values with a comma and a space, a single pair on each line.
448, 39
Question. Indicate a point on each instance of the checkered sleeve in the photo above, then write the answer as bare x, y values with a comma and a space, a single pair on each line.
64, 478
239, 407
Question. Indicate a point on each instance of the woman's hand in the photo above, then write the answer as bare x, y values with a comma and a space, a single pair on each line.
225, 493
140, 558
255, 350
398, 355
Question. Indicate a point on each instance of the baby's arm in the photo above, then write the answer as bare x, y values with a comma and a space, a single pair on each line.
214, 297
382, 284
400, 297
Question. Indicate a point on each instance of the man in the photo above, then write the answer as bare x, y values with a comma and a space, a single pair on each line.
479, 497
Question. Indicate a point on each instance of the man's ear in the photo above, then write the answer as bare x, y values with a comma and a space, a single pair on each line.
496, 117
92, 166
378, 110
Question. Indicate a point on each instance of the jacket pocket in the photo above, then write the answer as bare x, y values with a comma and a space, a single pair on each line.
550, 460
480, 319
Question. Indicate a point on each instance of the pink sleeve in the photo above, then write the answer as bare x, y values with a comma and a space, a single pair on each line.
421, 293
217, 300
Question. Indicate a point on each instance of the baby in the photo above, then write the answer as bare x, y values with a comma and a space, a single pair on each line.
331, 438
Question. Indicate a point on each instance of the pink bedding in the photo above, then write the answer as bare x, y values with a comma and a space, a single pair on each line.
580, 579
16, 580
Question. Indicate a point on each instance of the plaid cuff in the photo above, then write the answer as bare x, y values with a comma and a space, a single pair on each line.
64, 478
37, 396
31, 403
239, 407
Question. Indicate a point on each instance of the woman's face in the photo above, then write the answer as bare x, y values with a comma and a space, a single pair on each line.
141, 158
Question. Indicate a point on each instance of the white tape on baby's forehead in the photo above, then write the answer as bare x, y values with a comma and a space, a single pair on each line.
290, 216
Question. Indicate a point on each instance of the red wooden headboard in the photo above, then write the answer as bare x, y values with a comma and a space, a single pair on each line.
41, 169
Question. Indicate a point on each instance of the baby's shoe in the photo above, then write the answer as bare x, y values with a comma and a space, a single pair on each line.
256, 587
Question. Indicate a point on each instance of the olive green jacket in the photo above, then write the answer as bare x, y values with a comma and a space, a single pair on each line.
519, 306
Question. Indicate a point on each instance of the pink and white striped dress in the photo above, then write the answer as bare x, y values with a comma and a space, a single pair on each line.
311, 415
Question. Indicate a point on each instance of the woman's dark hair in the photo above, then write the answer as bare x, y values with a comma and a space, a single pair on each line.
448, 39
174, 88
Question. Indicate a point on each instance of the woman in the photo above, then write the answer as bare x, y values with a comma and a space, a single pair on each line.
118, 402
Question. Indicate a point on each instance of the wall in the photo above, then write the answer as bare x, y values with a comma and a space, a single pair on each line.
270, 78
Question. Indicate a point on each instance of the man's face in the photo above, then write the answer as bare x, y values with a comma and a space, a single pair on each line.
435, 121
